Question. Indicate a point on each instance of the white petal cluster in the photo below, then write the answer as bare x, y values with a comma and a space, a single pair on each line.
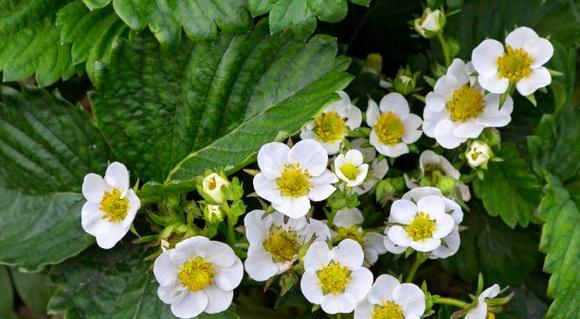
330, 128
348, 223
480, 311
111, 205
198, 276
291, 178
378, 167
458, 110
335, 278
424, 220
393, 127
351, 168
389, 298
275, 244
520, 62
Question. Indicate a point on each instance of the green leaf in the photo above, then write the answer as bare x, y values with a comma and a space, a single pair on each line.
555, 145
563, 86
169, 113
34, 289
503, 255
113, 284
7, 295
561, 243
509, 189
90, 33
46, 148
30, 42
524, 305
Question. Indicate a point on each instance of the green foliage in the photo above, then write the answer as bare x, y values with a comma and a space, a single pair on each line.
509, 189
30, 42
560, 211
7, 295
503, 255
169, 113
34, 289
46, 148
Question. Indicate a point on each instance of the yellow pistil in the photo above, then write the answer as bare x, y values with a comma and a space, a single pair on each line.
294, 181
329, 127
465, 104
353, 233
389, 128
333, 278
196, 274
114, 207
514, 65
421, 227
212, 183
350, 171
388, 310
282, 244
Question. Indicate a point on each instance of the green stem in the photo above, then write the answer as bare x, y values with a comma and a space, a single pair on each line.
420, 259
444, 48
231, 223
452, 302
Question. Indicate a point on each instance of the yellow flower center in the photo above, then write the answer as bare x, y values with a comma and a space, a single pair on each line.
388, 310
329, 127
389, 128
212, 183
294, 181
466, 103
196, 274
282, 244
514, 64
114, 207
350, 171
421, 227
353, 233
333, 278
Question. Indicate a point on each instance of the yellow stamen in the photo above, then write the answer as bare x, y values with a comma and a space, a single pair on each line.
294, 181
329, 127
354, 233
514, 64
350, 171
389, 128
465, 104
282, 244
196, 274
333, 278
422, 227
114, 207
388, 310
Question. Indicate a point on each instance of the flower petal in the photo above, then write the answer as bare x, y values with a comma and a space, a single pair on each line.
520, 36
432, 205
396, 103
493, 83
426, 245
373, 113
193, 304
350, 254
259, 264
293, 207
228, 278
266, 188
443, 226
117, 176
399, 236
435, 102
317, 256
403, 211
310, 287
411, 299
354, 118
445, 86
354, 157
164, 270
218, 253
94, 187
539, 78
449, 247
360, 284
311, 156
272, 157
382, 289
338, 303
348, 217
484, 57
218, 300
470, 129
540, 49
444, 135
257, 228
417, 193
363, 310
108, 237
391, 246
458, 70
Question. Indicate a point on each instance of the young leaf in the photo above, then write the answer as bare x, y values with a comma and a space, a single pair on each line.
170, 113
560, 211
509, 188
46, 148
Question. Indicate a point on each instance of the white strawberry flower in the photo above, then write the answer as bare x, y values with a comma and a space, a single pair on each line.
198, 276
393, 126
420, 224
478, 154
389, 299
350, 168
481, 311
458, 110
335, 278
111, 205
348, 223
330, 128
212, 187
275, 244
520, 63
378, 167
290, 178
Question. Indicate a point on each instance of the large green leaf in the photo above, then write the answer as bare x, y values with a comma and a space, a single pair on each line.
115, 284
509, 188
561, 242
90, 33
503, 255
171, 112
46, 148
34, 289
30, 42
7, 295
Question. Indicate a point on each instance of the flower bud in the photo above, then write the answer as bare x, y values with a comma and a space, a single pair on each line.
446, 185
430, 23
406, 81
373, 64
212, 188
478, 154
213, 214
